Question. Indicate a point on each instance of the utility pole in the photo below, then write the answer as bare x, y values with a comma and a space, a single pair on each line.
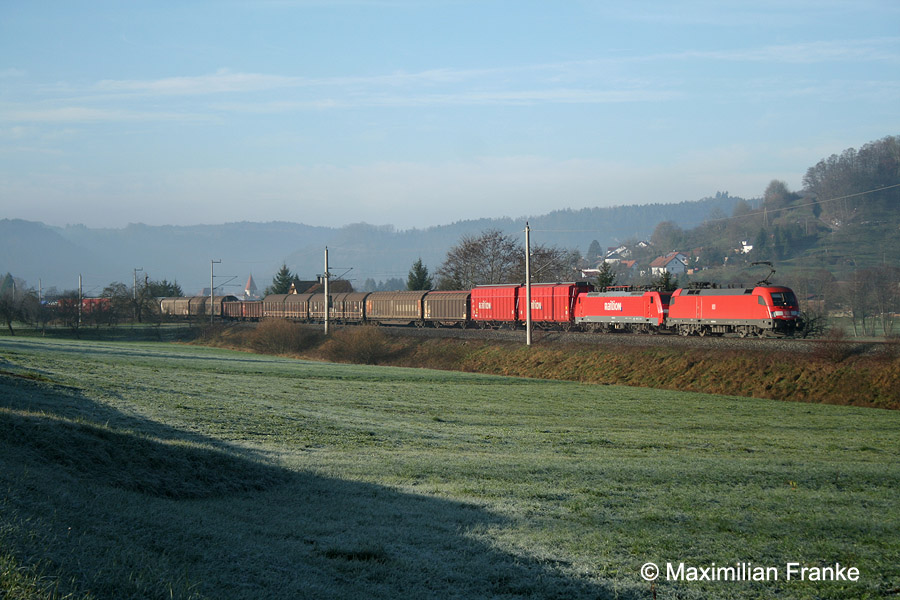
134, 294
212, 289
41, 306
80, 299
527, 284
325, 277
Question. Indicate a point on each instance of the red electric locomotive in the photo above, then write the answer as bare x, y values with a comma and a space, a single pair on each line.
744, 311
623, 309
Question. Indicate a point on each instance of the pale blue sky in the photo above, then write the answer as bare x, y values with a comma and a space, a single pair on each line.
423, 113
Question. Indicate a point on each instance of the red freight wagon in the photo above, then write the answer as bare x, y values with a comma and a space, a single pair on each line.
743, 311
552, 303
495, 305
622, 310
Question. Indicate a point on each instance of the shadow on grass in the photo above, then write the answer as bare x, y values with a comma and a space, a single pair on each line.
152, 512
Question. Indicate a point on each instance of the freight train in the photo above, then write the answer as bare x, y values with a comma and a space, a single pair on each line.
760, 310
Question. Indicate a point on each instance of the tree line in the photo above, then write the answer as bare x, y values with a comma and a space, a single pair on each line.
117, 303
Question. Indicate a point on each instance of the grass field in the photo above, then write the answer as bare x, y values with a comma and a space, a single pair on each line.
142, 470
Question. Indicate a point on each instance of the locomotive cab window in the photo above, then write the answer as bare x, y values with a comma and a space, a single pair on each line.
761, 300
784, 299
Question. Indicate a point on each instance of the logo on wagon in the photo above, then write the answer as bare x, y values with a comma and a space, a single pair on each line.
613, 305
484, 305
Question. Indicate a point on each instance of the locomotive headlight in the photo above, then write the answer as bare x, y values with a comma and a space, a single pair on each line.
778, 313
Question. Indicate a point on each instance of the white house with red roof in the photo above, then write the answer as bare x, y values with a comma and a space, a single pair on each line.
674, 263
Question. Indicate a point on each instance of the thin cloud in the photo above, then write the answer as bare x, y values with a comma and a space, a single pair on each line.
881, 49
80, 114
222, 81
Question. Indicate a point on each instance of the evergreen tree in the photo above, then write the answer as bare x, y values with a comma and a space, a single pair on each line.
606, 277
281, 283
164, 289
666, 282
418, 278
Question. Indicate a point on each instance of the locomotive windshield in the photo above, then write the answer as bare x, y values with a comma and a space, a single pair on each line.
784, 299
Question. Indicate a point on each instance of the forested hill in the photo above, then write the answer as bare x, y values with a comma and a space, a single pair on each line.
56, 256
846, 218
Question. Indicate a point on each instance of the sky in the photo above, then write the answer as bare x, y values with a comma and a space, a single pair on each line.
420, 113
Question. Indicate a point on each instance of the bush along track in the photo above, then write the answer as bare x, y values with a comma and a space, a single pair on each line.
821, 376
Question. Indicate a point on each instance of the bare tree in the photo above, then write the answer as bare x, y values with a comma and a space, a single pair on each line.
492, 257
18, 306
886, 295
549, 263
856, 298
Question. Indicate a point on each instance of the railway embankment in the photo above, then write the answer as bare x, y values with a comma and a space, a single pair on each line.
830, 371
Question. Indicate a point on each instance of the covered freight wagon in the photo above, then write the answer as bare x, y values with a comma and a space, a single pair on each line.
193, 306
447, 308
552, 304
349, 307
495, 305
395, 308
286, 306
243, 310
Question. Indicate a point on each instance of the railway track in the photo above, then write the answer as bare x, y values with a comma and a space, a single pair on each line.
540, 337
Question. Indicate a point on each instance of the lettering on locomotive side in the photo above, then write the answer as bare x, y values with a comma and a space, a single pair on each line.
613, 305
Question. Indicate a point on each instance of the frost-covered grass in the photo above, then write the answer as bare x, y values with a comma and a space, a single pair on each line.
156, 470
